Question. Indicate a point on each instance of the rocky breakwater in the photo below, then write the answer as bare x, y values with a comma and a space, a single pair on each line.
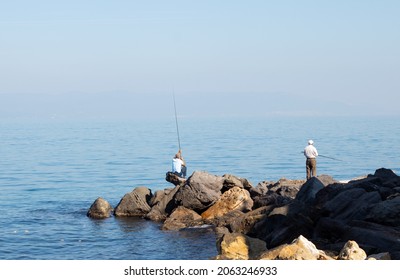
288, 219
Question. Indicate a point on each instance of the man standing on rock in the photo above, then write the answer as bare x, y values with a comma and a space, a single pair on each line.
179, 165
310, 152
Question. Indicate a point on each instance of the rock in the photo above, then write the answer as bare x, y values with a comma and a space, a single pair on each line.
245, 222
386, 212
350, 204
326, 180
351, 251
227, 220
100, 209
181, 218
379, 238
385, 174
299, 249
233, 199
308, 191
237, 246
200, 191
162, 204
283, 225
260, 189
381, 256
134, 204
231, 181
286, 188
270, 199
175, 179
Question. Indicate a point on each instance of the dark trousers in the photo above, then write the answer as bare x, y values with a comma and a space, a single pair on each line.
182, 174
311, 167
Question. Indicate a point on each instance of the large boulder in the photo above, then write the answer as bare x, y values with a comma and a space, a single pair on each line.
200, 191
386, 212
182, 218
350, 204
286, 188
299, 249
135, 203
233, 199
162, 204
245, 222
237, 246
309, 190
283, 224
100, 209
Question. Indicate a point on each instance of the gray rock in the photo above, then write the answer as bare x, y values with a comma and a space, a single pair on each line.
162, 204
308, 191
386, 212
134, 204
200, 191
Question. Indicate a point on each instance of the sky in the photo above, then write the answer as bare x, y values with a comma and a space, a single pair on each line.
126, 58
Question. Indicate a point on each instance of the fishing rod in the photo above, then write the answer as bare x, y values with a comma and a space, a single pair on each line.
327, 157
330, 158
176, 121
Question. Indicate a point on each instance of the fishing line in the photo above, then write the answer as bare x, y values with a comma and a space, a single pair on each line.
176, 121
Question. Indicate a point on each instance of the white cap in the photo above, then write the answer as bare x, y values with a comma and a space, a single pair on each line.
310, 142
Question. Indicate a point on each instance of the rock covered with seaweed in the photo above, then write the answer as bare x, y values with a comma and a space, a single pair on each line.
289, 219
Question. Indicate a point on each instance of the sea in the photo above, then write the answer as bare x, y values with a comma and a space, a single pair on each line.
51, 171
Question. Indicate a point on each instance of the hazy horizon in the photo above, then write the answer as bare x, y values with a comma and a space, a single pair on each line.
124, 59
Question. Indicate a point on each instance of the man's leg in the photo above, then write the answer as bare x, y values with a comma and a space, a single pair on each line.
308, 170
183, 171
314, 167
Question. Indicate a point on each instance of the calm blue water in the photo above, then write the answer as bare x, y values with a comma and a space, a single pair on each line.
52, 171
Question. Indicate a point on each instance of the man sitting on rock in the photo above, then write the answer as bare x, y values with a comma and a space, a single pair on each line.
179, 165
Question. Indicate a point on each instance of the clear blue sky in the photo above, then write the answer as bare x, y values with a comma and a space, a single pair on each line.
124, 58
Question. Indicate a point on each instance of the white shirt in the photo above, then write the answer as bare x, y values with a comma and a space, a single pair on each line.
310, 151
177, 165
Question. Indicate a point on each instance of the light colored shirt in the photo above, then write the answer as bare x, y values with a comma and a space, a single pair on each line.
310, 152
177, 165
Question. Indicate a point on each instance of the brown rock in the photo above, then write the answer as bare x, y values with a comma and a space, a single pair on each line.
162, 204
237, 246
233, 199
299, 249
182, 218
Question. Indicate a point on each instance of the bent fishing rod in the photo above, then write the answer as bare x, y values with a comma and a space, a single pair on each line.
176, 121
